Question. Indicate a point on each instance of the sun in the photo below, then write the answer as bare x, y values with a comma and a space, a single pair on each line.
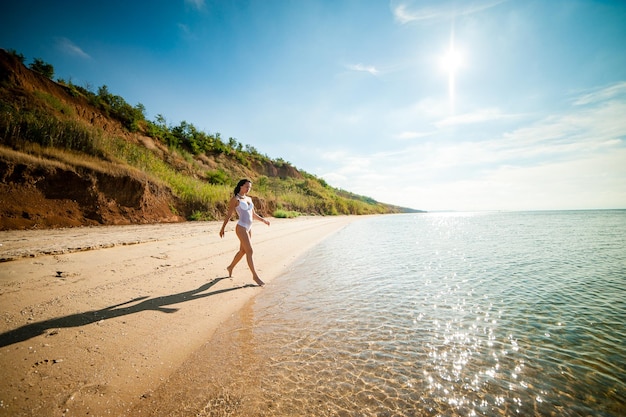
451, 61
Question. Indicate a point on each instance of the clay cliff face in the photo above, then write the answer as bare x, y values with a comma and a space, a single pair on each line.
34, 195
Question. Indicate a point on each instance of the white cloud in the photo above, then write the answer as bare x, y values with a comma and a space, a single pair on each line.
407, 135
480, 116
403, 15
597, 181
414, 116
184, 28
602, 94
573, 159
69, 47
363, 68
594, 181
406, 11
349, 163
186, 32
581, 129
197, 4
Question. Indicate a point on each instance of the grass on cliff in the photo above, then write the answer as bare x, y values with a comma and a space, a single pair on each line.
78, 144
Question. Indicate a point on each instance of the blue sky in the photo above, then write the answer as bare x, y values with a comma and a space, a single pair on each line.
435, 105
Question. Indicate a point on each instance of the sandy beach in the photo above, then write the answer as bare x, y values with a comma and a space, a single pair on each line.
94, 320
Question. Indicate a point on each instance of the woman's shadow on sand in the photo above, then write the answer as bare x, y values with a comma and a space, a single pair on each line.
143, 304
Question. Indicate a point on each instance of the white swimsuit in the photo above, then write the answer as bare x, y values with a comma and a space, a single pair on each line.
244, 211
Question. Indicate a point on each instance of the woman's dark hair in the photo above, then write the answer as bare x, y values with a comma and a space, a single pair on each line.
240, 184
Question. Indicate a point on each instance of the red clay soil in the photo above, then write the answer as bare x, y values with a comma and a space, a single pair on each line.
34, 196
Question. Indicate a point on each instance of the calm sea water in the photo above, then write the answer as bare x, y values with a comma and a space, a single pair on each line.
477, 314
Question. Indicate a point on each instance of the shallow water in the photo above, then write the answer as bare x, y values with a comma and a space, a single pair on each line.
458, 314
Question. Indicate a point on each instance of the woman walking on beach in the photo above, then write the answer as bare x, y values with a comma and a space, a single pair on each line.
242, 203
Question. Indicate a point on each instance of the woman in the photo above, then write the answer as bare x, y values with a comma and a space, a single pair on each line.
242, 203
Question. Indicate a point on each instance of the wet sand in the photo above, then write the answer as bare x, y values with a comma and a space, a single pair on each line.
95, 320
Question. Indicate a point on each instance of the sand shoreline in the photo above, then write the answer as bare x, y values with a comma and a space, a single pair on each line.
94, 319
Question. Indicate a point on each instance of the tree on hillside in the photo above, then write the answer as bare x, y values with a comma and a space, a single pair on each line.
115, 106
38, 65
17, 55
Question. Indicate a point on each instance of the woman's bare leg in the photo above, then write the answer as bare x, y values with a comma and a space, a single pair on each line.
246, 244
235, 261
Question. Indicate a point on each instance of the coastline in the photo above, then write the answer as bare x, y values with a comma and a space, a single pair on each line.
95, 319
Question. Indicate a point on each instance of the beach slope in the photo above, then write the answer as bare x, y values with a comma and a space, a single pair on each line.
94, 319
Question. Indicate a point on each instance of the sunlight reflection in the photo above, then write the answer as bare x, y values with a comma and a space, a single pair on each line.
451, 62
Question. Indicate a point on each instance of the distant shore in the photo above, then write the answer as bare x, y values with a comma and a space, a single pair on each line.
95, 319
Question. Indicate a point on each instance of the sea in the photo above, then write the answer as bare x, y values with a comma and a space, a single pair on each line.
439, 314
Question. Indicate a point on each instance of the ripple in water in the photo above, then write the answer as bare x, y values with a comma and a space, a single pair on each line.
447, 315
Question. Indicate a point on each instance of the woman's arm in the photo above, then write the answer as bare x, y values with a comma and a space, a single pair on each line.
232, 204
256, 216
